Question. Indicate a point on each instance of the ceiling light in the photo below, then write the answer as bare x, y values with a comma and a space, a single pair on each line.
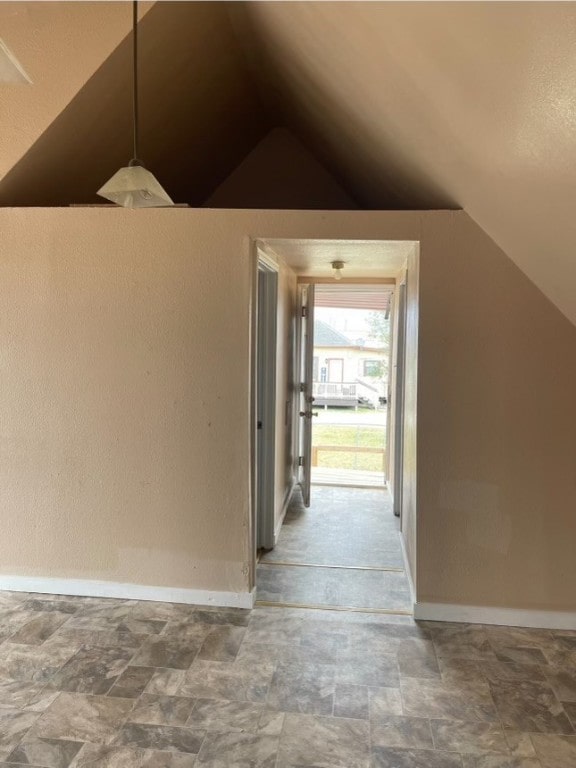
133, 186
337, 266
11, 71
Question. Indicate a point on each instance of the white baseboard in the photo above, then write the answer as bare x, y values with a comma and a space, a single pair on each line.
511, 617
88, 588
407, 570
285, 503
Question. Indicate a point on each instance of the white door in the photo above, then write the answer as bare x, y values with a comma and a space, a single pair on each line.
265, 405
306, 346
336, 370
399, 402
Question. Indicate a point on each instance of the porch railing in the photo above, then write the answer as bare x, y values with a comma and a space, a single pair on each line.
347, 449
334, 389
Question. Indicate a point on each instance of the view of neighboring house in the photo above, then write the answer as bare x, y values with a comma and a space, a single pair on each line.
346, 372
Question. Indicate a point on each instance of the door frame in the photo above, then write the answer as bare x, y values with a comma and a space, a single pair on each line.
264, 407
305, 385
392, 284
399, 398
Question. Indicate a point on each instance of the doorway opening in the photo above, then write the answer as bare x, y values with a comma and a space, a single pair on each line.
266, 346
338, 543
350, 384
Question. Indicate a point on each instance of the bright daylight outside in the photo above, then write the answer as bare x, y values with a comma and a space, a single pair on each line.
350, 374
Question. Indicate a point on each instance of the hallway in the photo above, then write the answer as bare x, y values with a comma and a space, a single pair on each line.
342, 552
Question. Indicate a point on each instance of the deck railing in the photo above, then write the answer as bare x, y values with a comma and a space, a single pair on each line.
347, 449
334, 389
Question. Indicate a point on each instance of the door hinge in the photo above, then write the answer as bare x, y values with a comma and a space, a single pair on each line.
300, 461
302, 387
304, 311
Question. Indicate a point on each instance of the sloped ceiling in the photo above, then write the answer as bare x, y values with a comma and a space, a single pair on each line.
199, 107
432, 105
280, 173
61, 46
406, 105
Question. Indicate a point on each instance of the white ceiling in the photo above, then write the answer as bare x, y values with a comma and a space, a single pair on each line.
367, 258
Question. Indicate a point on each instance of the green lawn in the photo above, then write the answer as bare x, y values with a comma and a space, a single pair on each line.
350, 416
349, 436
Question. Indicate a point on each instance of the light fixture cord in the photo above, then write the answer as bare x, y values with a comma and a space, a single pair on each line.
135, 160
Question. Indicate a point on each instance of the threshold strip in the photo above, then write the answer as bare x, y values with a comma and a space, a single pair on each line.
312, 606
342, 567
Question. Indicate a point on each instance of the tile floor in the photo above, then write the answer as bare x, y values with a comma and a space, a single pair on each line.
95, 683
353, 535
343, 526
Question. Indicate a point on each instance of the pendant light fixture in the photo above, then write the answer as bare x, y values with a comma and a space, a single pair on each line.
11, 71
133, 186
337, 266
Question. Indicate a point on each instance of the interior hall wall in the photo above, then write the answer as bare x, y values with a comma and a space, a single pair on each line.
496, 429
125, 402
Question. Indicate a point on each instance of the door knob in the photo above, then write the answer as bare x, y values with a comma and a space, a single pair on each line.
308, 414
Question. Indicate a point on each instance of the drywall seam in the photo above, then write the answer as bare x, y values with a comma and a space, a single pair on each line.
88, 588
512, 617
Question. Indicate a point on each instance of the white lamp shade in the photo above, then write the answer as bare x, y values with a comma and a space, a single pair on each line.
11, 71
135, 187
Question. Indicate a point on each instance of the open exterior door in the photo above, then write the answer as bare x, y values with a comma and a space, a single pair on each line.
399, 402
306, 348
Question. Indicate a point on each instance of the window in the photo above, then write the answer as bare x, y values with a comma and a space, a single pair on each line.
315, 369
373, 368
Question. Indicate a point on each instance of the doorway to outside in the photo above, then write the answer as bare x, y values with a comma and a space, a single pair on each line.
337, 544
350, 384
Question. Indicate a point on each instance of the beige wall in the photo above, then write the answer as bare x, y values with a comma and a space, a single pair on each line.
124, 405
496, 431
124, 399
398, 100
